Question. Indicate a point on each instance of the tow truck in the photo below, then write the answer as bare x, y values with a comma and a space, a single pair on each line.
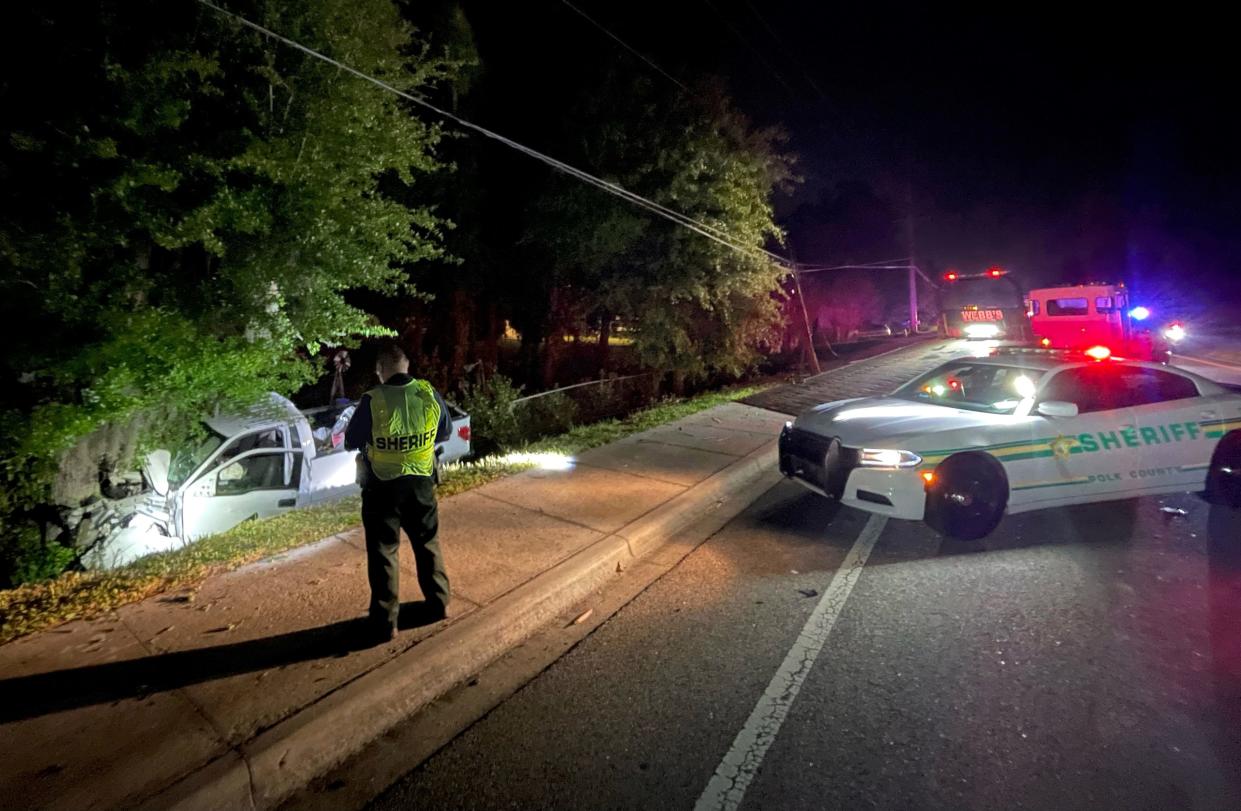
1017, 430
1077, 317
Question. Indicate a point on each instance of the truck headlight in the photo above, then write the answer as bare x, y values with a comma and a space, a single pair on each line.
884, 457
982, 331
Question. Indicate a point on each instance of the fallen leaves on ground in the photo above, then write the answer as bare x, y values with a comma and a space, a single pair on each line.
83, 595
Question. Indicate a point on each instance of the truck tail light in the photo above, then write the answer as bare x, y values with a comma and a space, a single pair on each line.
464, 432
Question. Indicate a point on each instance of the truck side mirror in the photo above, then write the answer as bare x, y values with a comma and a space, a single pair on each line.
1057, 408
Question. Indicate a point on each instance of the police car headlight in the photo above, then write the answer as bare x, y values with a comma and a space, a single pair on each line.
883, 457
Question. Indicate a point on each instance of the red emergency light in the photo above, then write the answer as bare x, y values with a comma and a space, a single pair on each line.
995, 273
950, 276
1099, 352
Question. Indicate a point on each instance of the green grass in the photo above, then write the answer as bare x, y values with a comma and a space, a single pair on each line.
81, 595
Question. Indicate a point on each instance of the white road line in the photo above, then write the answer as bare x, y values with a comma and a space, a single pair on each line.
738, 768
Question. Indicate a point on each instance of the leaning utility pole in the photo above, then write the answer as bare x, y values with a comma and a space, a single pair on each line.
805, 316
913, 259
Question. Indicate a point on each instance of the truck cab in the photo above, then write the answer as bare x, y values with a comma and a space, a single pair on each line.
264, 461
1078, 317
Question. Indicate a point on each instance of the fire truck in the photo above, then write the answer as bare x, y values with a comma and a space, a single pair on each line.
1099, 316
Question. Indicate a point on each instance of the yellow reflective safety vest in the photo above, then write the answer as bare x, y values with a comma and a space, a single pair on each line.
403, 423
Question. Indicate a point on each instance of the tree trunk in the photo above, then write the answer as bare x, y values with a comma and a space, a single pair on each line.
488, 349
605, 339
462, 320
553, 351
553, 344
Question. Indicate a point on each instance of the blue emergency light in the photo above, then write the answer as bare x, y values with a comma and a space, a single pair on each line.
1139, 313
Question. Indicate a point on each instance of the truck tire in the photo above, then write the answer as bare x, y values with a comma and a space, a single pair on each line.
1224, 475
967, 499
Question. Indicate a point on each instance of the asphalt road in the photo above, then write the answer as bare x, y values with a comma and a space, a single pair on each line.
809, 656
1082, 658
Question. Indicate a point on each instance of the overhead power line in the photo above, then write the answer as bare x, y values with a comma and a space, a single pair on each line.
900, 261
626, 46
906, 265
792, 57
704, 229
757, 53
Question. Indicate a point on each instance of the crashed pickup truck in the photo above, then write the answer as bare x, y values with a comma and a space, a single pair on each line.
268, 460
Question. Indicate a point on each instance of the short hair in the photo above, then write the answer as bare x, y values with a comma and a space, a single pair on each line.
391, 354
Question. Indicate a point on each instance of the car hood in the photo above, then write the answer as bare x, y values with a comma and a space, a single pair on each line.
155, 467
880, 421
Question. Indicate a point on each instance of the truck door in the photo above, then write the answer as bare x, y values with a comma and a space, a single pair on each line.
256, 484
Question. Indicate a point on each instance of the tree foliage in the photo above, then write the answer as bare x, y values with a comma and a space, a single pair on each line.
846, 303
694, 306
186, 204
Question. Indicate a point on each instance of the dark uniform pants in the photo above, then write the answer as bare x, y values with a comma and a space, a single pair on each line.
406, 503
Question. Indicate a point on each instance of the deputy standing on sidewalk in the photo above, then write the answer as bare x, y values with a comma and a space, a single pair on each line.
396, 428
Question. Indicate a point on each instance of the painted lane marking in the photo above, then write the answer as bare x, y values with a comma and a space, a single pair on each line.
740, 765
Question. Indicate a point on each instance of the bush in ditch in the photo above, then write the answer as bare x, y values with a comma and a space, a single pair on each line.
494, 423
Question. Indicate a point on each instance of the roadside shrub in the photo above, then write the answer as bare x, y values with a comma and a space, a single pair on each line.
550, 414
26, 558
612, 398
494, 424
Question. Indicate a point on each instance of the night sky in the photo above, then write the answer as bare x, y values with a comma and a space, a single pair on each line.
1061, 145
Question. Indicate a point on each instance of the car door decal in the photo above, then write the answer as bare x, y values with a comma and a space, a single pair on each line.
1217, 428
1065, 446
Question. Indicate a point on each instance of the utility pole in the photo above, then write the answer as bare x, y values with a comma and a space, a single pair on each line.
805, 316
913, 259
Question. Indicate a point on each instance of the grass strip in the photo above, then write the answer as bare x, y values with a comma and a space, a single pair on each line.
83, 595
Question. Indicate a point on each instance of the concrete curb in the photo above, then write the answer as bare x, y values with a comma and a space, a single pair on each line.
286, 757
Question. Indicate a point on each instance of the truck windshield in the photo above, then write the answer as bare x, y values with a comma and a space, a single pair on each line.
987, 387
186, 460
984, 292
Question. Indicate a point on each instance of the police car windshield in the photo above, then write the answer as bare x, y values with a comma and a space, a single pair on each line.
988, 387
186, 460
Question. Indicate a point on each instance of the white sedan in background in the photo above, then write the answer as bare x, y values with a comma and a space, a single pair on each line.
1021, 430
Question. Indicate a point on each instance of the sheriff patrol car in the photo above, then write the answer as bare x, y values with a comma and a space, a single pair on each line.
1020, 430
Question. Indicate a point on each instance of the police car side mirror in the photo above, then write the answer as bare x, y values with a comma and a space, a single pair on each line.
1057, 408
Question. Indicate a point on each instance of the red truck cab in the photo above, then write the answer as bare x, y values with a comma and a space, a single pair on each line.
1078, 317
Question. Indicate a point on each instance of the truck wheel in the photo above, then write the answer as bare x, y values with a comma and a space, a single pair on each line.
968, 496
1224, 477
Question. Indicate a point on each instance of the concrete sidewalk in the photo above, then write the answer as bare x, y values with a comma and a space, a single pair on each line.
238, 693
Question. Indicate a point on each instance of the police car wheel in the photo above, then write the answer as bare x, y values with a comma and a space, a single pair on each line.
967, 499
1224, 477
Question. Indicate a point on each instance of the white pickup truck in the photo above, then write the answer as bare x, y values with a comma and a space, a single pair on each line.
269, 460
